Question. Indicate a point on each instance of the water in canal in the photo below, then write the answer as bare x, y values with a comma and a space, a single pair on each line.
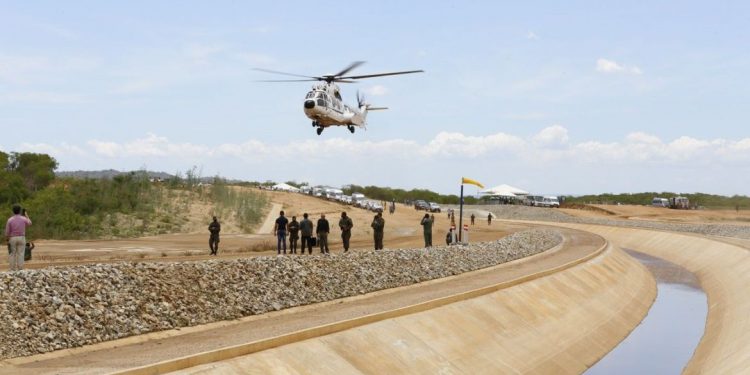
665, 340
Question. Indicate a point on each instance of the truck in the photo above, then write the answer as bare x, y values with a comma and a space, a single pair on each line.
679, 203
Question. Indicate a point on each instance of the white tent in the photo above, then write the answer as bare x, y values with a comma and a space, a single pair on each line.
285, 187
504, 191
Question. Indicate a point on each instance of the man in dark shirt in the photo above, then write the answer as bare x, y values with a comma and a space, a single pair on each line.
293, 235
427, 230
378, 226
346, 224
213, 241
280, 231
306, 229
322, 229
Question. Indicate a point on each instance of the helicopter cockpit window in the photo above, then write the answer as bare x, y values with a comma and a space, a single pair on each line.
321, 102
309, 95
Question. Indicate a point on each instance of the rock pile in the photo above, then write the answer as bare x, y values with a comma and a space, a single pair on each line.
56, 308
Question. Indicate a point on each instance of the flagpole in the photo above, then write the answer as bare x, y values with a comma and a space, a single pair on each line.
461, 214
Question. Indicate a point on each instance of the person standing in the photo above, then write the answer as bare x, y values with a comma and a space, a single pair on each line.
306, 229
472, 219
489, 218
378, 226
15, 233
280, 231
346, 224
293, 228
427, 230
213, 241
449, 238
322, 229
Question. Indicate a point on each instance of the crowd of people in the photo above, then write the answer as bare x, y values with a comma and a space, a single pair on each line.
304, 234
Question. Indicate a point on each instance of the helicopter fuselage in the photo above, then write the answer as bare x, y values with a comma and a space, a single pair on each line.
324, 106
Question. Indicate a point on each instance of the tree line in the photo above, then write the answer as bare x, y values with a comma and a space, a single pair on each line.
696, 199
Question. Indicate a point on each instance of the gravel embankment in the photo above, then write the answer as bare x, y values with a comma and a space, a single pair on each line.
56, 308
512, 212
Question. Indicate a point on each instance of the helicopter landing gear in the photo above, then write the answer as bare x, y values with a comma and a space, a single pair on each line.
320, 130
351, 128
314, 123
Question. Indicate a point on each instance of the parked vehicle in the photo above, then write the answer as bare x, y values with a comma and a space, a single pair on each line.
434, 207
534, 200
550, 201
376, 207
680, 203
421, 205
660, 202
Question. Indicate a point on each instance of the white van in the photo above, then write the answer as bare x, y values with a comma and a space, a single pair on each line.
550, 201
660, 202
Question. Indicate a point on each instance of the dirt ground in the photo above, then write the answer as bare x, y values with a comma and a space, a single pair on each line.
402, 229
663, 214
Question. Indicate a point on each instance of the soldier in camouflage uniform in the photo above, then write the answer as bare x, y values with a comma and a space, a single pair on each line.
346, 224
293, 228
213, 241
378, 224
426, 223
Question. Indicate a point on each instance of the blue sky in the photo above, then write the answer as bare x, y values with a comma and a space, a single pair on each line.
553, 97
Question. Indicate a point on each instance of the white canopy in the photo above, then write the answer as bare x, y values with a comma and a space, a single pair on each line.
285, 187
504, 191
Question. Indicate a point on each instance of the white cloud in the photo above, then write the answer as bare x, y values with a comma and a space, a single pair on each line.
552, 157
532, 36
461, 145
377, 90
63, 149
152, 145
549, 144
610, 66
553, 135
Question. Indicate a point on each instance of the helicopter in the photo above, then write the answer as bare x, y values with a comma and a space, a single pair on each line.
324, 105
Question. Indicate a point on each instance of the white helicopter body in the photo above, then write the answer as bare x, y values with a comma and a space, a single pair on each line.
323, 104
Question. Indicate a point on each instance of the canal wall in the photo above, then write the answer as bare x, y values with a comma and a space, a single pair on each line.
560, 323
723, 270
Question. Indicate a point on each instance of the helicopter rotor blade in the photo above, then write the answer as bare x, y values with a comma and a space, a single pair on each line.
383, 74
288, 80
348, 68
288, 74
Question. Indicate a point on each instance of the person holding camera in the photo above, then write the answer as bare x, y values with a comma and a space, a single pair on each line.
15, 233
